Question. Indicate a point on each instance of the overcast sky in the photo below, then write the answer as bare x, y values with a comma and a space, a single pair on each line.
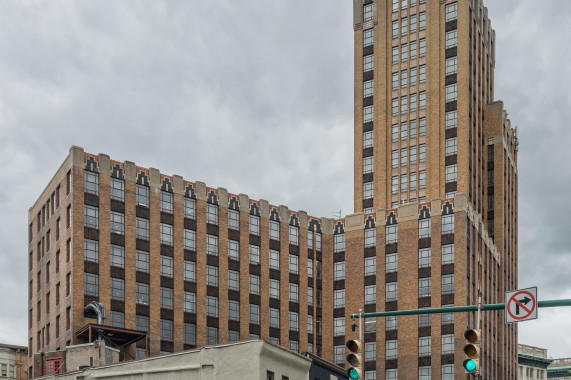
257, 97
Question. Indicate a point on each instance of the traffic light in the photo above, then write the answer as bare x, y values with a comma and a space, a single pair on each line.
354, 359
472, 351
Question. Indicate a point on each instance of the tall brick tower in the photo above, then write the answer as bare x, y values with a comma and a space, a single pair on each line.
427, 127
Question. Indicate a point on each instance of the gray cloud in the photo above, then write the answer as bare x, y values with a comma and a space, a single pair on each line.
256, 97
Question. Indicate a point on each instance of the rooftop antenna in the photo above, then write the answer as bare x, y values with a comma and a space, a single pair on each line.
337, 214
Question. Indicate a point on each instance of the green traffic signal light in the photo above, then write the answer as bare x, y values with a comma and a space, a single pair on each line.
470, 365
353, 373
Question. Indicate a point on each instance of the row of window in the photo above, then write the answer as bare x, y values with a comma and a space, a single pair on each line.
402, 79
406, 158
408, 129
424, 372
404, 4
417, 101
117, 258
411, 50
408, 182
407, 27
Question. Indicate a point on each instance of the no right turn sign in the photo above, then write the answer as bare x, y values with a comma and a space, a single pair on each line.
521, 305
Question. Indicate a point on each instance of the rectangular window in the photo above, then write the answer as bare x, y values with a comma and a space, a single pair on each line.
190, 208
274, 318
451, 39
91, 216
370, 237
254, 252
370, 351
234, 220
117, 258
451, 65
212, 244
166, 298
391, 352
339, 355
117, 222
412, 182
391, 323
395, 9
395, 28
404, 156
395, 107
448, 318
189, 271
211, 335
391, 262
234, 250
166, 234
422, 47
404, 26
370, 294
451, 146
274, 259
142, 195
451, 92
254, 225
274, 288
451, 11
293, 235
293, 321
367, 139
413, 102
404, 4
424, 320
339, 326
448, 372
368, 63
451, 173
413, 23
91, 183
91, 250
166, 202
422, 21
448, 284
451, 119
424, 347
117, 289
254, 314
368, 88
424, 287
254, 284
392, 233
233, 310
395, 158
395, 81
166, 266
424, 257
310, 296
404, 78
368, 190
395, 55
166, 330
368, 37
117, 189
142, 293
404, 183
422, 153
448, 254
339, 243
338, 298
234, 280
90, 283
211, 275
424, 228
422, 73
142, 261
391, 291
189, 239
189, 304
309, 267
403, 52
293, 264
293, 293
274, 230
189, 333
422, 126
339, 270
413, 53
421, 180
367, 114
142, 228
422, 100
447, 344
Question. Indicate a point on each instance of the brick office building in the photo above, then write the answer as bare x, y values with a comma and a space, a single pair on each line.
194, 265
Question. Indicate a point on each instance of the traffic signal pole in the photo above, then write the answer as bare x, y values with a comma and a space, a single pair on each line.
458, 309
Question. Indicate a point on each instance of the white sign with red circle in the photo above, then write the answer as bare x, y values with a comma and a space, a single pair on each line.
521, 305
